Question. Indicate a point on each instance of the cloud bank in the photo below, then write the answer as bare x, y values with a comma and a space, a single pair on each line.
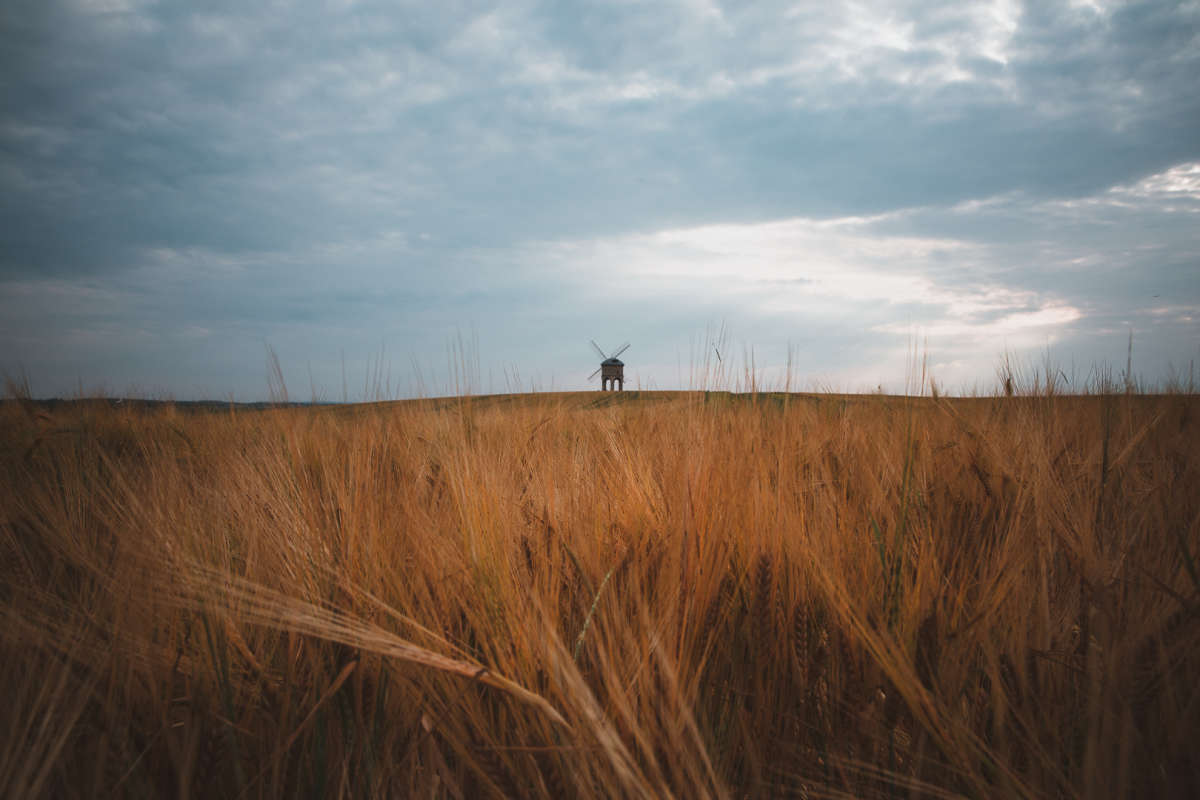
344, 181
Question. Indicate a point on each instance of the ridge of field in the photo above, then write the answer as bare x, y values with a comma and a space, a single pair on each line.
568, 399
590, 397
586, 594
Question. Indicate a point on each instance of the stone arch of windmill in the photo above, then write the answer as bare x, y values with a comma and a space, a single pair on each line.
611, 369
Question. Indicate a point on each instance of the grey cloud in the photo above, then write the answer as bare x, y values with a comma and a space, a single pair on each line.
183, 134
382, 171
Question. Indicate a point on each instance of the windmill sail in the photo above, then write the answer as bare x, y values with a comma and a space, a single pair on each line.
613, 368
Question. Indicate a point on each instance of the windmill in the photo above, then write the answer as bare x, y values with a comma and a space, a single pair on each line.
612, 369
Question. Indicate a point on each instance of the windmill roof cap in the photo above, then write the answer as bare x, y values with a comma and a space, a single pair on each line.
611, 362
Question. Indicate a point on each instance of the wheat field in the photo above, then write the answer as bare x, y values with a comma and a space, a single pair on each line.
696, 594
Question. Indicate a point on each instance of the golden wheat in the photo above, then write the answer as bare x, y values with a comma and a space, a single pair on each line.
676, 595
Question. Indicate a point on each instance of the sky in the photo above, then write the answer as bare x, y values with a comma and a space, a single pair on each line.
419, 198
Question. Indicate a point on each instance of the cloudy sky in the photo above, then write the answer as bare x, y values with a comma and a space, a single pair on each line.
360, 185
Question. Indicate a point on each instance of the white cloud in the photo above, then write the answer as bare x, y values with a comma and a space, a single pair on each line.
844, 273
1176, 189
824, 48
1099, 7
1180, 182
815, 52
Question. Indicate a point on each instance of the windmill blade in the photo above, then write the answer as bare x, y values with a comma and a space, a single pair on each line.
621, 349
598, 350
594, 374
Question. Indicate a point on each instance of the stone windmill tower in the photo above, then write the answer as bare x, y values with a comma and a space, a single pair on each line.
611, 369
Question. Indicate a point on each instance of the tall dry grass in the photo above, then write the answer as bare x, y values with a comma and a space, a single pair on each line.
691, 595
